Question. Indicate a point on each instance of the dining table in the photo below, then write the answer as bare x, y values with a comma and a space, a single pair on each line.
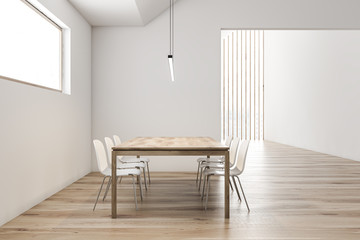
170, 146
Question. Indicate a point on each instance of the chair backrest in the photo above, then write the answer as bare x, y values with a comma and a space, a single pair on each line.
233, 150
117, 140
100, 155
241, 156
109, 145
228, 140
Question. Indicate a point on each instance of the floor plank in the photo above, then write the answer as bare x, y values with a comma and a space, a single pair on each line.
293, 194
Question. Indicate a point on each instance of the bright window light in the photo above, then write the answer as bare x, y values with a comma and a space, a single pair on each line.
242, 84
30, 45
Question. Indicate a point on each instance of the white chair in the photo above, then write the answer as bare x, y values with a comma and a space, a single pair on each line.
218, 162
145, 160
120, 165
235, 170
220, 165
105, 169
216, 159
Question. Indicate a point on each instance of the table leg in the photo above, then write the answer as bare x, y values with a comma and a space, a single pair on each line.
227, 169
113, 186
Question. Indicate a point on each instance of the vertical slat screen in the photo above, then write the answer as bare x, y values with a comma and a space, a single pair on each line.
242, 66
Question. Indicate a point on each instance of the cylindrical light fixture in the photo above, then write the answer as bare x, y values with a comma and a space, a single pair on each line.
171, 65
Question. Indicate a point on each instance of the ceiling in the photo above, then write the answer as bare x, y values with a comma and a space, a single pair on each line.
120, 12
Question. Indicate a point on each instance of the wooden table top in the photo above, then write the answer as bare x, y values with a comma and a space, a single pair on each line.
171, 143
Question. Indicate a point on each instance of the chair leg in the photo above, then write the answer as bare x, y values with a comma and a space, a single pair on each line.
232, 189
207, 190
237, 190
204, 184
242, 190
140, 185
120, 179
134, 191
144, 172
201, 173
148, 171
197, 174
99, 192
107, 188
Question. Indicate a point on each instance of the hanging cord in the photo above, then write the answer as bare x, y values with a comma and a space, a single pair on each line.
173, 27
170, 27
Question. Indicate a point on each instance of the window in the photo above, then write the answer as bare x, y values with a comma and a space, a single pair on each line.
30, 45
242, 84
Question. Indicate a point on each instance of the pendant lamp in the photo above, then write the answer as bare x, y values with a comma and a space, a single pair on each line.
171, 55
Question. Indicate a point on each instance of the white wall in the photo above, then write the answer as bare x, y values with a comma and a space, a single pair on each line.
45, 135
132, 92
312, 97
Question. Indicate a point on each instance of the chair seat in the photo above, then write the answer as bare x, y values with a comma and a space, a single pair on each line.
122, 172
211, 159
221, 172
133, 159
212, 165
130, 165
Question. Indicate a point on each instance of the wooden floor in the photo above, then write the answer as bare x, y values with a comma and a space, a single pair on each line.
293, 194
